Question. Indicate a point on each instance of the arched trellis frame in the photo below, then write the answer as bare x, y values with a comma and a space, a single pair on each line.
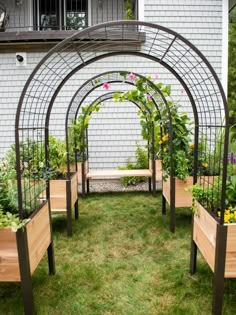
98, 101
114, 77
156, 43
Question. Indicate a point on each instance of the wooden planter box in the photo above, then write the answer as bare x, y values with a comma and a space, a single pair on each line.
158, 169
21, 252
204, 236
79, 170
183, 198
58, 194
38, 231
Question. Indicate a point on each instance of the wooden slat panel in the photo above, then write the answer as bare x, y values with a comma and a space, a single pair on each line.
9, 265
79, 170
205, 246
204, 234
74, 189
58, 194
230, 268
118, 173
39, 236
183, 198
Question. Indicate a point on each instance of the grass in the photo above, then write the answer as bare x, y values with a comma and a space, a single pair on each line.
121, 260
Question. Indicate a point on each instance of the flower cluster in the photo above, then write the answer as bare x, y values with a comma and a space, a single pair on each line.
229, 215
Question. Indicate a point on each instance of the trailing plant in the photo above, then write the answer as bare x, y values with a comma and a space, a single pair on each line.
158, 121
77, 136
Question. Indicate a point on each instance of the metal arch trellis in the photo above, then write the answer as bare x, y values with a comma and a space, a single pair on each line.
95, 82
98, 101
121, 76
147, 40
114, 77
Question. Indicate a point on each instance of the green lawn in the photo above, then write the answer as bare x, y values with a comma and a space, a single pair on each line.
122, 259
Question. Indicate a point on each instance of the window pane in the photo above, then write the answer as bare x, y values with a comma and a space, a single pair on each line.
49, 14
76, 16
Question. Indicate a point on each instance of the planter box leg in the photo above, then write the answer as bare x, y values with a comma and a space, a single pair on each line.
193, 257
26, 282
154, 184
68, 208
163, 204
149, 184
218, 282
77, 210
87, 186
51, 260
172, 217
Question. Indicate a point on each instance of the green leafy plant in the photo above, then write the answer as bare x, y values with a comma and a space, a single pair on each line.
9, 220
158, 121
129, 10
141, 155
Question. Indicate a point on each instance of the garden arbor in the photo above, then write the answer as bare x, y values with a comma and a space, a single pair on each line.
160, 45
157, 99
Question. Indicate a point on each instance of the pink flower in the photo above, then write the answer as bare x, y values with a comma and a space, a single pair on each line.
131, 76
182, 91
156, 76
106, 86
149, 98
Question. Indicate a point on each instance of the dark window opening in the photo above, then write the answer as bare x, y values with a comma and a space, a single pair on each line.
60, 14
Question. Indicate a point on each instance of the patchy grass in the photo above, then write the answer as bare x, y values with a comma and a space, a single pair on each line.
121, 260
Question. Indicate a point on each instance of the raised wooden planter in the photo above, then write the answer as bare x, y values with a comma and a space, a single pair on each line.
204, 236
183, 198
63, 197
79, 170
21, 252
158, 169
58, 193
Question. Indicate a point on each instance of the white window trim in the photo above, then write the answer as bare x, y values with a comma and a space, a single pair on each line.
141, 10
225, 29
89, 12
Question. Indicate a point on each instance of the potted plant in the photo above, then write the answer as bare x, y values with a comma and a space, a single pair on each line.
23, 241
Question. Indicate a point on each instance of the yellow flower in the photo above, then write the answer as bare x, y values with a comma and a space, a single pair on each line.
191, 146
226, 218
227, 211
218, 213
160, 142
205, 164
165, 149
165, 137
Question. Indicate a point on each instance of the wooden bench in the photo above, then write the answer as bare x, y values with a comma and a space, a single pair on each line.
111, 174
117, 173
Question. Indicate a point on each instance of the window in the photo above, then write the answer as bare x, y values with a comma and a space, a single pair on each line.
60, 14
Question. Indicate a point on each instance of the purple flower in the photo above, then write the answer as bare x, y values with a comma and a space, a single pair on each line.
149, 98
182, 91
131, 76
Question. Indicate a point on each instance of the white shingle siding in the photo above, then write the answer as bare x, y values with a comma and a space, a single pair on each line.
115, 129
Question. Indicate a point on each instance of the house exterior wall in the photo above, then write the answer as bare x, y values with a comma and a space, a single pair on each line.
113, 131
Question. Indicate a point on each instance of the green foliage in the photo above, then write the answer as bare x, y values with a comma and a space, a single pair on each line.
129, 10
141, 155
57, 157
9, 220
232, 75
77, 139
